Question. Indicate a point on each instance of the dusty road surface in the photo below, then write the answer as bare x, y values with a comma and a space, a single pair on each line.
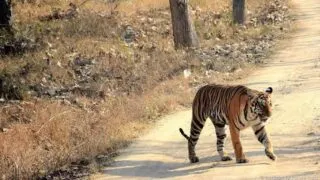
294, 72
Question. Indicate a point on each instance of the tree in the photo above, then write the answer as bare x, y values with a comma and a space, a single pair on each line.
183, 29
238, 11
5, 14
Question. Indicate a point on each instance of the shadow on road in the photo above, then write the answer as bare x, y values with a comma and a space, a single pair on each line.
162, 169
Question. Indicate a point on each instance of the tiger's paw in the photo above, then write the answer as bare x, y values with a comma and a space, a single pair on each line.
226, 158
194, 159
271, 155
242, 160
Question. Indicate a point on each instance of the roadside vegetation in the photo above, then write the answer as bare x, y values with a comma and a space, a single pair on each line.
81, 79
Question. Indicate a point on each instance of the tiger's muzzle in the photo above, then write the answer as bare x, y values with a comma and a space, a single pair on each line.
264, 118
266, 115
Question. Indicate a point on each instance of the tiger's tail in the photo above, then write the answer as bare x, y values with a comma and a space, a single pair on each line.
183, 134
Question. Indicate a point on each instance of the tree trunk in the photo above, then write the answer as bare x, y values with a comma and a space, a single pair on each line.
238, 11
5, 14
183, 29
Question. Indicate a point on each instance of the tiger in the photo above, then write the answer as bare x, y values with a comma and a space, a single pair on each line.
237, 106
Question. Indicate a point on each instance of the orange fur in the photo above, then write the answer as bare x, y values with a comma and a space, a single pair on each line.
236, 106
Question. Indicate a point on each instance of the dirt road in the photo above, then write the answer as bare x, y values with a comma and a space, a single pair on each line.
294, 72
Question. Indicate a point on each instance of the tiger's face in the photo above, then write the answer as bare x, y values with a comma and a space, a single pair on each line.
263, 105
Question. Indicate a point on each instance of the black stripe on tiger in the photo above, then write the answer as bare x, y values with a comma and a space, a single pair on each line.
262, 137
259, 130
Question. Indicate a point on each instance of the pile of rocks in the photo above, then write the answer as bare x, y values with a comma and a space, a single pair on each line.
84, 74
17, 45
77, 170
276, 12
249, 51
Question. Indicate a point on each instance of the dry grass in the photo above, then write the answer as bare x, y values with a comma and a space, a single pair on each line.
60, 134
141, 81
27, 12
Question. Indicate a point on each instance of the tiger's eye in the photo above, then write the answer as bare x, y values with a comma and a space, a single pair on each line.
261, 102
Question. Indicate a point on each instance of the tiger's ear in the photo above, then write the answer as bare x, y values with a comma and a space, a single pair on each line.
269, 90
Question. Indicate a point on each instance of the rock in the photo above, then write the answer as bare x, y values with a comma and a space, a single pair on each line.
154, 28
258, 50
207, 36
242, 57
225, 52
198, 10
82, 62
48, 146
84, 162
150, 20
186, 73
210, 72
112, 53
113, 34
249, 13
51, 92
249, 56
42, 172
59, 64
238, 70
235, 54
221, 35
243, 46
227, 47
44, 80
72, 56
143, 19
4, 130
48, 54
235, 46
217, 48
253, 21
66, 102
129, 34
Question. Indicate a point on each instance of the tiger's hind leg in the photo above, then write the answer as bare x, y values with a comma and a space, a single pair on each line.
221, 135
196, 127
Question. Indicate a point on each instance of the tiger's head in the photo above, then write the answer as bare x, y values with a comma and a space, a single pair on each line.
261, 104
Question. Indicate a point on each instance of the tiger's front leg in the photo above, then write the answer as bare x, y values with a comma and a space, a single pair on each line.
263, 138
235, 137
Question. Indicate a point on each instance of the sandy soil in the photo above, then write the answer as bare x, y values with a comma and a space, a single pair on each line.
294, 72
